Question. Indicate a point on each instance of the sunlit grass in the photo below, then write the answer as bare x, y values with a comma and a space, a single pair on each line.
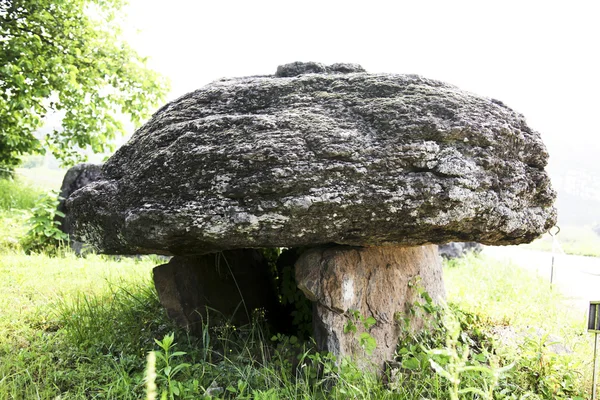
18, 194
508, 295
80, 327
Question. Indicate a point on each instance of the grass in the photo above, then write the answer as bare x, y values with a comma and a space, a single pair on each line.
80, 328
62, 324
575, 240
18, 194
518, 304
16, 198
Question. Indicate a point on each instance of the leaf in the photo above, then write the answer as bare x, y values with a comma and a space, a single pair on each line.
367, 342
411, 364
369, 323
441, 371
427, 297
349, 327
179, 367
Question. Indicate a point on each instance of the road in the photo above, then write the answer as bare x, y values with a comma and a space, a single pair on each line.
578, 277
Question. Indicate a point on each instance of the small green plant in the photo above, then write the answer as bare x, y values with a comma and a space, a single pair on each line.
544, 372
366, 341
44, 233
460, 361
170, 367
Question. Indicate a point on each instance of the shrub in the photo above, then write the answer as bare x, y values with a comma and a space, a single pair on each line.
44, 234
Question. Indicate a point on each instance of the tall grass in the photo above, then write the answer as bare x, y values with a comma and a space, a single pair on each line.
76, 327
81, 328
530, 320
17, 194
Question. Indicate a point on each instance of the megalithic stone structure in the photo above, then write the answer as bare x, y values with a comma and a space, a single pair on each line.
381, 165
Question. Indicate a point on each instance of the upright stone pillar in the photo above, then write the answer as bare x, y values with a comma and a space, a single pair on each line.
233, 283
379, 282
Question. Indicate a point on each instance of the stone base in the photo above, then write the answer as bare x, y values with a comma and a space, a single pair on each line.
378, 282
233, 283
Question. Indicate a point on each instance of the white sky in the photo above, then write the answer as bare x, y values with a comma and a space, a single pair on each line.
541, 58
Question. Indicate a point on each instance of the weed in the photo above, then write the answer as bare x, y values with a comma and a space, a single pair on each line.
365, 340
171, 367
44, 234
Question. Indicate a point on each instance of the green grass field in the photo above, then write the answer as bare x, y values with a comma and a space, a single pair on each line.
81, 328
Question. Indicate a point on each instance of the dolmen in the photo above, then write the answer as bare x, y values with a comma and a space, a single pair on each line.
366, 172
75, 178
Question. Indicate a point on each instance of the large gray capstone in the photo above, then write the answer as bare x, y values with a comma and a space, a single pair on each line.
320, 154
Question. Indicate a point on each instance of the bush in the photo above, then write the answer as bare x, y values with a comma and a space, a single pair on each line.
44, 234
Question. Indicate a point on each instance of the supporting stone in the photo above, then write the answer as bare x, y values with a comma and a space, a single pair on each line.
234, 283
378, 282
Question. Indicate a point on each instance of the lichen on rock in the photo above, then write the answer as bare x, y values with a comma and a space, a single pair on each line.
320, 154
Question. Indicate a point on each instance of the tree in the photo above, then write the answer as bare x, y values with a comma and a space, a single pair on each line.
68, 56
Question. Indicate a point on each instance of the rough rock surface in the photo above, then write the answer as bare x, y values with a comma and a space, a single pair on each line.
378, 282
337, 156
75, 178
458, 249
235, 283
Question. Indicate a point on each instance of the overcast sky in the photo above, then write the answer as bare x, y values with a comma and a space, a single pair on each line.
541, 58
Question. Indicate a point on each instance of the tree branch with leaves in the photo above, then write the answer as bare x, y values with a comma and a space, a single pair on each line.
68, 56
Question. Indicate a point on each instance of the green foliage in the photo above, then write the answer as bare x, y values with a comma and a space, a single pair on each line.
457, 365
542, 371
15, 194
44, 233
80, 328
170, 367
68, 57
365, 340
522, 300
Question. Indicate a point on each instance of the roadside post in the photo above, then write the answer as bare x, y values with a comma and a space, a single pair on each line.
594, 326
